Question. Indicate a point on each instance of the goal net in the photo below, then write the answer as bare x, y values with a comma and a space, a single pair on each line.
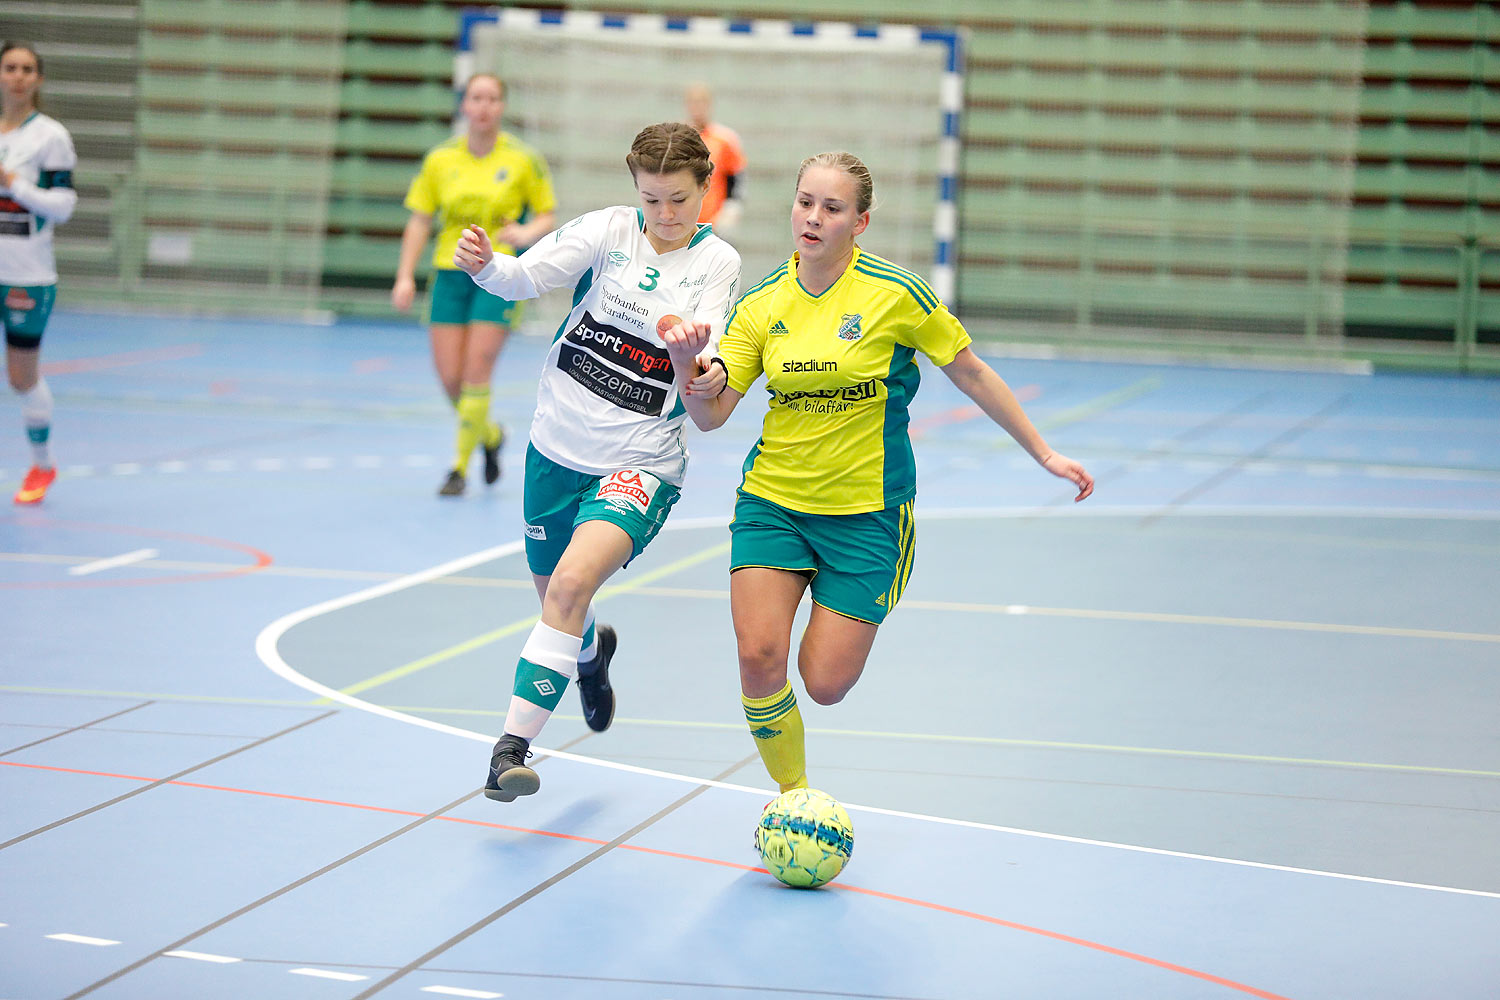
580, 85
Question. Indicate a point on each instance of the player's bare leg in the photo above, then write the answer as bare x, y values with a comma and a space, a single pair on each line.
481, 348
833, 654
550, 657
764, 603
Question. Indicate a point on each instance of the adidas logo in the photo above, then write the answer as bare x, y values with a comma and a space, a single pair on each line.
779, 329
765, 733
880, 600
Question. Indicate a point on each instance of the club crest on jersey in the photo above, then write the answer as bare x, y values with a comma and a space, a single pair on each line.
630, 489
778, 329
501, 174
849, 326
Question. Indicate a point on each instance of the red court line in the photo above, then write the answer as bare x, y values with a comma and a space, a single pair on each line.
875, 893
103, 361
959, 414
262, 559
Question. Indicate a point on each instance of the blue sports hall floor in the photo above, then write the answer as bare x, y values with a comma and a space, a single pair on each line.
1229, 728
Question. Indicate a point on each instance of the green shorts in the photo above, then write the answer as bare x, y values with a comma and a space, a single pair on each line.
26, 310
558, 499
859, 563
456, 299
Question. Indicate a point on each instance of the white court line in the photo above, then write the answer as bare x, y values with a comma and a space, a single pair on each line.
265, 648
81, 939
139, 555
343, 977
202, 956
454, 991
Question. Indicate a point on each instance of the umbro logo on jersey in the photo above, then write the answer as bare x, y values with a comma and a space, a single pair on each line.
778, 329
618, 258
849, 326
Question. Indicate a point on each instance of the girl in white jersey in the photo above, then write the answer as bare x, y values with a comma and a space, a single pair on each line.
36, 194
607, 456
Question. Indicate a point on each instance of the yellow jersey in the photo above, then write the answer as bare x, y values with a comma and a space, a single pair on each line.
509, 184
841, 371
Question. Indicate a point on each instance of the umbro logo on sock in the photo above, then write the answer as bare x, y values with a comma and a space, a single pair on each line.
544, 688
765, 733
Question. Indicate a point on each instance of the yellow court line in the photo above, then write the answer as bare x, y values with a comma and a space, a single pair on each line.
1019, 743
1177, 619
1164, 617
468, 645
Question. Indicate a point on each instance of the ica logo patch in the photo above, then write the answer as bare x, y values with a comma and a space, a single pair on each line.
630, 489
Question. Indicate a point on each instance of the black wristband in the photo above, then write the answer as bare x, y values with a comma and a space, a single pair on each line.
720, 362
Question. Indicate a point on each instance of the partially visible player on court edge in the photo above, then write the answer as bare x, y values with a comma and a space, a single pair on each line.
722, 206
36, 196
607, 455
483, 177
826, 500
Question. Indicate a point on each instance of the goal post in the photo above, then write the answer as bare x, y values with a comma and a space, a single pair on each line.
581, 84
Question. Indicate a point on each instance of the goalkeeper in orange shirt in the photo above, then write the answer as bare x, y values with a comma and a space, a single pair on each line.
721, 206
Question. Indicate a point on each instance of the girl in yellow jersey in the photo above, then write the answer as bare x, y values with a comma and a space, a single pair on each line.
826, 502
487, 178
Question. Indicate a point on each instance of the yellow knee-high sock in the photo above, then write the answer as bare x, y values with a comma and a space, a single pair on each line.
473, 422
776, 724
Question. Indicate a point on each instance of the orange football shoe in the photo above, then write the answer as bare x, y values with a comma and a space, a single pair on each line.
35, 485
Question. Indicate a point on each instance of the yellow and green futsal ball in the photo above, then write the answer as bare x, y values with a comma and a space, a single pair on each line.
805, 837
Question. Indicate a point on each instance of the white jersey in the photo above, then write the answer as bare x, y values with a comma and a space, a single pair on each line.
40, 154
607, 399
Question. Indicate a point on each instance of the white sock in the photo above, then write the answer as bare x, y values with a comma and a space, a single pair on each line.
548, 661
36, 411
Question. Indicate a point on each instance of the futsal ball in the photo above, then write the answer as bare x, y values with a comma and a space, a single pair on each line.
805, 837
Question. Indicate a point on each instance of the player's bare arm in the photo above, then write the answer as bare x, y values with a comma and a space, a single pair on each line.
988, 390
524, 234
684, 343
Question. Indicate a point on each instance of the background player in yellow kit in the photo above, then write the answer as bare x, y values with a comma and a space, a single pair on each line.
826, 501
488, 178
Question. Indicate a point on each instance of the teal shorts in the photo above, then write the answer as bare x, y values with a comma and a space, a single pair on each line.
26, 310
859, 563
557, 499
456, 299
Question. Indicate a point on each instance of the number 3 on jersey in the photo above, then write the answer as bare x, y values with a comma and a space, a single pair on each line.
650, 283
